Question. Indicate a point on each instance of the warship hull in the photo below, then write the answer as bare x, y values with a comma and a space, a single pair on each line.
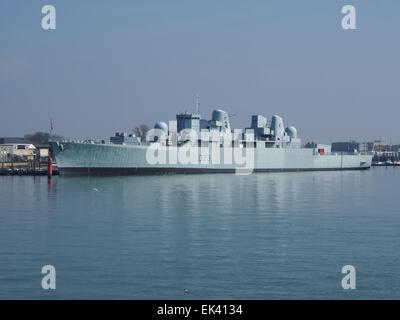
75, 158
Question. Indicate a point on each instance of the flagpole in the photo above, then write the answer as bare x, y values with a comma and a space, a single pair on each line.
51, 127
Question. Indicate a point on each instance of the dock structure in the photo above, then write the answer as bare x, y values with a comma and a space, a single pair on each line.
383, 154
20, 157
386, 158
27, 168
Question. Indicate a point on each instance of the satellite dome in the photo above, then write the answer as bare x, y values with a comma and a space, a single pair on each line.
162, 126
291, 132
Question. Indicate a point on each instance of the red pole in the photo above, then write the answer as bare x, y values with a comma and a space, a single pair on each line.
50, 166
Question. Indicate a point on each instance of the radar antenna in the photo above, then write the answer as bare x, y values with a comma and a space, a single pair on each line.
197, 104
51, 127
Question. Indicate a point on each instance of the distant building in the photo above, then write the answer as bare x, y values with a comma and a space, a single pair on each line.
395, 148
17, 151
12, 140
370, 146
346, 147
380, 146
20, 149
42, 152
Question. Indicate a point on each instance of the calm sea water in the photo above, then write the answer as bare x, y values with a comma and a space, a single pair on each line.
262, 236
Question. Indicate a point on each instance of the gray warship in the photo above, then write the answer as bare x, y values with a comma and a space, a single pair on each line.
191, 144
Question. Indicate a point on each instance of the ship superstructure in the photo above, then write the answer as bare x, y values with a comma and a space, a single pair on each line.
195, 145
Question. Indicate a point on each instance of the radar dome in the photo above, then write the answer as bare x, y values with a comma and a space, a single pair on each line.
162, 126
291, 132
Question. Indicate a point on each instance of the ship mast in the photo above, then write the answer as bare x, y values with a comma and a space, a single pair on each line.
197, 104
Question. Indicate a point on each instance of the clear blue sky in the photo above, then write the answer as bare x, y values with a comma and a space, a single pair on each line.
111, 65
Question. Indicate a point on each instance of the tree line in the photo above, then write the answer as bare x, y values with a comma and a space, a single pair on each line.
40, 137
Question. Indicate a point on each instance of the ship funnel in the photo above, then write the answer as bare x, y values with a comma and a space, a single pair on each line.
221, 116
277, 127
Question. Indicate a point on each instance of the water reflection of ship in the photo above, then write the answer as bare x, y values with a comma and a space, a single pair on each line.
193, 195
255, 193
183, 214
